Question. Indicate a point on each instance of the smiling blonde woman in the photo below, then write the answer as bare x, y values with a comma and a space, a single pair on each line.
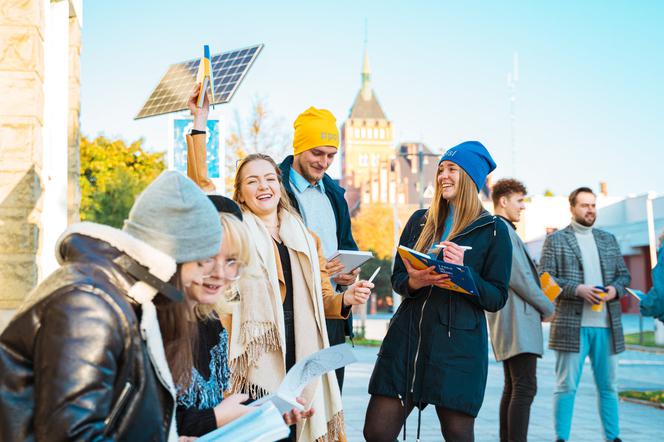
282, 314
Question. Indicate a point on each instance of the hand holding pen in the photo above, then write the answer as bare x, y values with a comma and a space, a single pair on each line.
453, 253
359, 292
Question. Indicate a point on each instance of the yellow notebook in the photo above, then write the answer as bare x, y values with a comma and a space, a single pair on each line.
204, 77
549, 286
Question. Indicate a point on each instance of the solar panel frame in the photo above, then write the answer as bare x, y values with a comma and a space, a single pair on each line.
172, 92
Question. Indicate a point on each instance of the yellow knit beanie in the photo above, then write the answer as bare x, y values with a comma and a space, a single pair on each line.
315, 128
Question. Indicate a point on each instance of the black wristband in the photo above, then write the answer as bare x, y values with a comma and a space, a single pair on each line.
197, 132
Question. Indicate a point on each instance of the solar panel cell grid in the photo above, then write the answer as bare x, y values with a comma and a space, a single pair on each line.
173, 90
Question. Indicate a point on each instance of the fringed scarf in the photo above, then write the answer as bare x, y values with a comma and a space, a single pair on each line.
257, 350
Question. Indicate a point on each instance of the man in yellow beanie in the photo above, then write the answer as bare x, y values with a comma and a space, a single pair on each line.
320, 200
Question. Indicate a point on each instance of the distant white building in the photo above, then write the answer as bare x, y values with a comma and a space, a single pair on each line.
546, 214
627, 221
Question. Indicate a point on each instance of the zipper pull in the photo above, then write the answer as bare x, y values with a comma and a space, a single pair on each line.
449, 318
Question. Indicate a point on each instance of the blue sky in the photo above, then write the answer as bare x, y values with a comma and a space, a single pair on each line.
590, 100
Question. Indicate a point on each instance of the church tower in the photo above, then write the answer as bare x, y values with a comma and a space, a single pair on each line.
367, 144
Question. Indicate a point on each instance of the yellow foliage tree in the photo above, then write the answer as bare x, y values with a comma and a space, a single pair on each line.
373, 229
112, 175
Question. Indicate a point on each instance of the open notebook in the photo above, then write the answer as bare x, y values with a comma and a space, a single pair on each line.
460, 280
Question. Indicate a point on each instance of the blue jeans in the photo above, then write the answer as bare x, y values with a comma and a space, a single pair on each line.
596, 343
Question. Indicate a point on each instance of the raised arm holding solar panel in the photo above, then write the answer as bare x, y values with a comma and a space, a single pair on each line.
197, 168
200, 114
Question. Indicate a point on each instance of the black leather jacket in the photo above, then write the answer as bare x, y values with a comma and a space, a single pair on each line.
73, 365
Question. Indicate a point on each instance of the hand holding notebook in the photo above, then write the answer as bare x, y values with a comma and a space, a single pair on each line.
349, 259
458, 278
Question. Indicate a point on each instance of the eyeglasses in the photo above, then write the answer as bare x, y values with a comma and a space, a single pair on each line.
231, 268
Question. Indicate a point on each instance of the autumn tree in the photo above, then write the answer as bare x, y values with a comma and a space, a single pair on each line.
260, 132
112, 175
373, 229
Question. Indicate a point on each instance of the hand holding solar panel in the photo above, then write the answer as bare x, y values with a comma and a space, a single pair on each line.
200, 113
227, 70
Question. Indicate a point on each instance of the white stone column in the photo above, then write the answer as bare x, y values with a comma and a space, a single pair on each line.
56, 119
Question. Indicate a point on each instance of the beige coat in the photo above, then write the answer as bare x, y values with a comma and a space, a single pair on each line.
257, 349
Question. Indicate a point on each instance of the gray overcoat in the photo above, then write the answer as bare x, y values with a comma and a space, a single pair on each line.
517, 327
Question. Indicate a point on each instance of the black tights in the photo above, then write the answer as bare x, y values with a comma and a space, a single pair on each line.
518, 394
385, 417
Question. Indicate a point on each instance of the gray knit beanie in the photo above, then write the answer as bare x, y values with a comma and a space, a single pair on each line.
173, 215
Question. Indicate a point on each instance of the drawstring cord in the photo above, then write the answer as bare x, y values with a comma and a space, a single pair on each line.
404, 403
419, 420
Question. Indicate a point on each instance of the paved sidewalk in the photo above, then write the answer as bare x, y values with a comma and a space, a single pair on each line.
637, 370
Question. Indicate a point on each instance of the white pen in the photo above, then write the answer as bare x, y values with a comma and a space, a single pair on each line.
374, 274
441, 246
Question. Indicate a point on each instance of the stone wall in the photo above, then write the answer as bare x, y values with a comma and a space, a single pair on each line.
21, 123
22, 137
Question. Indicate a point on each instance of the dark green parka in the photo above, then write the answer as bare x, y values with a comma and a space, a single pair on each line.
436, 346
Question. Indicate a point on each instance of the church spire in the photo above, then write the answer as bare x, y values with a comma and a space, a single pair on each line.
366, 104
366, 71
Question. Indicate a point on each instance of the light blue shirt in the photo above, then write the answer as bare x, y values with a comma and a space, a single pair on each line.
316, 209
448, 224
447, 228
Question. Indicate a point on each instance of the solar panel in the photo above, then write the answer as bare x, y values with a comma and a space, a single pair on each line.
172, 92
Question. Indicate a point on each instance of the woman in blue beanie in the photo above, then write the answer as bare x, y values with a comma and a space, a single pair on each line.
435, 351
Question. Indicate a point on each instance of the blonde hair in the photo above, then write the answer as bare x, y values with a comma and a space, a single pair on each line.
284, 201
467, 207
240, 248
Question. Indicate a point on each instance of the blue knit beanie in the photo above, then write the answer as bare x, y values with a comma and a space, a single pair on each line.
473, 158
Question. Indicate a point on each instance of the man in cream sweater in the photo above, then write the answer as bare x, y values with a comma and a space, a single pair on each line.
587, 263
